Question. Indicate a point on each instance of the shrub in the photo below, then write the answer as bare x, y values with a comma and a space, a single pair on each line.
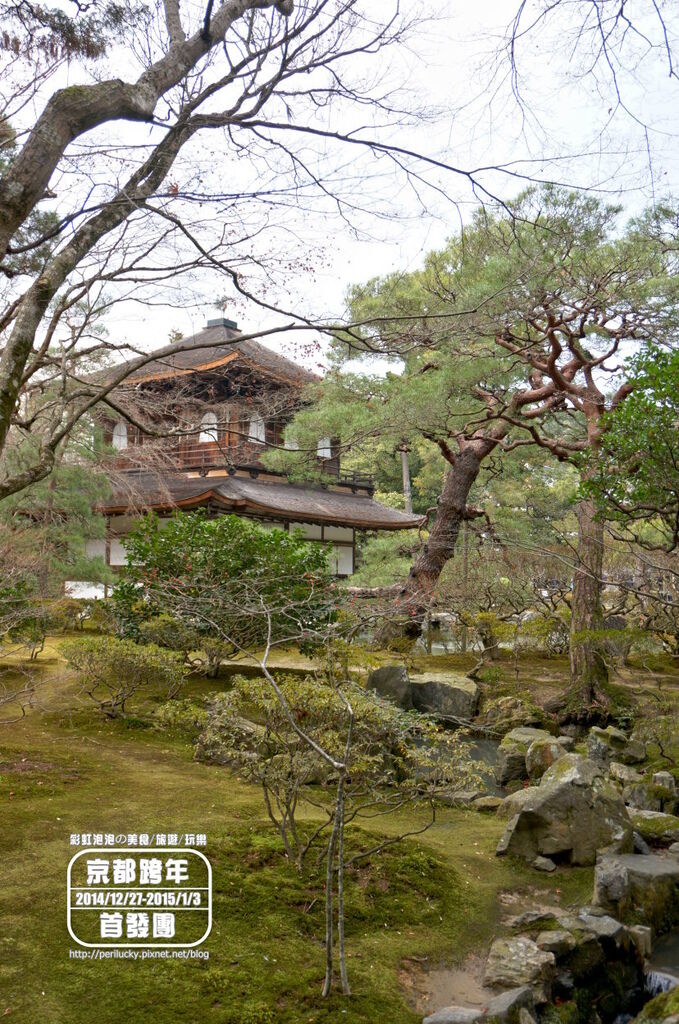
201, 652
66, 614
99, 616
229, 582
181, 716
395, 758
30, 632
113, 670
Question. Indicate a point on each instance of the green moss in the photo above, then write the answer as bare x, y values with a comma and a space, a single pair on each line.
563, 1013
68, 771
562, 767
662, 1006
654, 828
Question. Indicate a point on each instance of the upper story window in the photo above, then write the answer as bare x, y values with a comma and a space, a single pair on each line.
257, 429
324, 448
208, 428
119, 440
291, 442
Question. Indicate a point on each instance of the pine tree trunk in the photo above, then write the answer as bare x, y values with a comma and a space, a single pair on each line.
589, 672
440, 546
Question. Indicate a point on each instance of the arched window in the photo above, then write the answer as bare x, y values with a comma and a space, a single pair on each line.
208, 428
120, 435
324, 448
257, 429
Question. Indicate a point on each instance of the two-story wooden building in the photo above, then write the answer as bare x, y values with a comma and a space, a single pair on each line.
191, 432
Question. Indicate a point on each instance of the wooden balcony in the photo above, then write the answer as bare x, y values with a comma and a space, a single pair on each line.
193, 456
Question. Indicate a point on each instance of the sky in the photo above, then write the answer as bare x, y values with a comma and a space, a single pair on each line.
574, 124
572, 128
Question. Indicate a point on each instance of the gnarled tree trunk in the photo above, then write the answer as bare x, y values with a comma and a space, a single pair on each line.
451, 512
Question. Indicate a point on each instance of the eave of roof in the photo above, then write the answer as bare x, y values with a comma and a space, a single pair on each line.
279, 500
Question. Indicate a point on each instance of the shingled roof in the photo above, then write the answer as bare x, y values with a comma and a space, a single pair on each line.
265, 499
219, 345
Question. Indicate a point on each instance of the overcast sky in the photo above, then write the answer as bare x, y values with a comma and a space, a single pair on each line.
570, 129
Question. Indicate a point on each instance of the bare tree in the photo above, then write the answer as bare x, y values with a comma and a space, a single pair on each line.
184, 153
190, 144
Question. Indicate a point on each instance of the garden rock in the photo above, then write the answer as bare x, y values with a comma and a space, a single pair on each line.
531, 917
647, 887
640, 844
558, 942
527, 734
611, 883
642, 796
666, 780
544, 864
612, 744
656, 828
487, 803
506, 1006
574, 812
455, 1015
504, 714
393, 683
624, 774
601, 925
519, 961
541, 755
450, 696
511, 755
513, 803
642, 937
511, 763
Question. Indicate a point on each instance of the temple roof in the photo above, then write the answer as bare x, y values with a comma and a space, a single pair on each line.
264, 499
221, 347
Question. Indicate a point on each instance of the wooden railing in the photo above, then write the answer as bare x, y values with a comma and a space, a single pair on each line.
206, 456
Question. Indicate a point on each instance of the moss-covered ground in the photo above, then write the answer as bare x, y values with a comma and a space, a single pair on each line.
65, 770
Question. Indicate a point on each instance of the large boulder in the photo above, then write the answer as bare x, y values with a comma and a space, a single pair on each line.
611, 744
511, 754
574, 812
449, 696
393, 683
512, 804
519, 961
645, 888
